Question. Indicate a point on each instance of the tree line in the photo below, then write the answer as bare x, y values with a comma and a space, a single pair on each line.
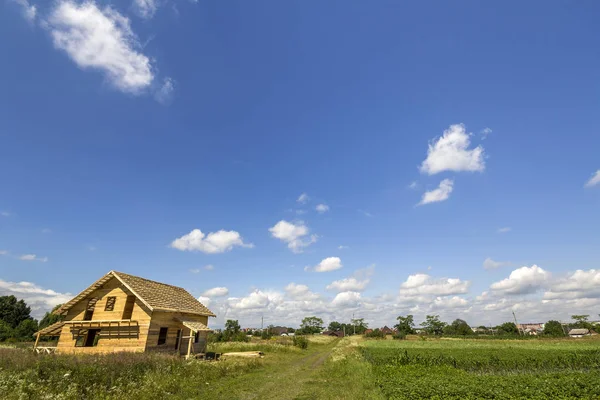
16, 322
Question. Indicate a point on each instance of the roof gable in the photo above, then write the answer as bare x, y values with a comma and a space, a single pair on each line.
155, 295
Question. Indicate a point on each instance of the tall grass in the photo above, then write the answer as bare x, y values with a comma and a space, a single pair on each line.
24, 375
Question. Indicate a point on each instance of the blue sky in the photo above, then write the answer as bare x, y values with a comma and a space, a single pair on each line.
421, 130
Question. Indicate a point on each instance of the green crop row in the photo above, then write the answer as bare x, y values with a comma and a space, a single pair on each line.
499, 370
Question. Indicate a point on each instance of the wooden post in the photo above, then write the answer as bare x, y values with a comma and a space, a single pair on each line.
37, 339
190, 344
179, 343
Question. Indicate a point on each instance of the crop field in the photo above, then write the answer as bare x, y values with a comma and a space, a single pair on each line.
485, 369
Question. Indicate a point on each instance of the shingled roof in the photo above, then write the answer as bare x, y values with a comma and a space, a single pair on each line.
155, 295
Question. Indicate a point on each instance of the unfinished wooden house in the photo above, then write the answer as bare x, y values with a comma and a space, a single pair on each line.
121, 312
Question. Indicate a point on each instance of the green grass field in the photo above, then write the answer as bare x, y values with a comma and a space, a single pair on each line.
350, 368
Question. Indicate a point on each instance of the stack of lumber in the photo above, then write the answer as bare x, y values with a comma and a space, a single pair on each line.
243, 354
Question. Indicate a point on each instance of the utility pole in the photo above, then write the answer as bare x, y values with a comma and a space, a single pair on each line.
516, 323
262, 321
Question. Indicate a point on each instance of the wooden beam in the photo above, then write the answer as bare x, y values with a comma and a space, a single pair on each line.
179, 343
189, 345
37, 340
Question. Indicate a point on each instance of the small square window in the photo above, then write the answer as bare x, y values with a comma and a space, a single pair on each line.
162, 336
110, 303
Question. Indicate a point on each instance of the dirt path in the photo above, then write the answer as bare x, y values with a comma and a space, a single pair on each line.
287, 380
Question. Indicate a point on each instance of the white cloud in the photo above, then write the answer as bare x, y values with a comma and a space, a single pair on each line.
302, 292
164, 95
342, 247
485, 132
256, 300
216, 292
594, 180
577, 285
214, 242
348, 284
102, 40
488, 263
451, 153
3, 252
505, 229
523, 280
449, 302
322, 208
293, 234
29, 10
205, 300
209, 267
326, 265
442, 193
194, 270
145, 8
347, 299
413, 185
303, 198
39, 299
423, 284
32, 257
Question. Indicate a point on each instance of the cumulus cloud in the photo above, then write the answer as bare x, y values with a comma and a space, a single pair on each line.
101, 39
32, 257
347, 299
39, 299
214, 242
506, 229
29, 10
326, 265
205, 300
303, 198
295, 235
524, 280
145, 8
348, 284
256, 300
216, 292
342, 247
423, 284
594, 180
449, 302
164, 95
322, 208
302, 292
442, 193
451, 152
577, 285
488, 263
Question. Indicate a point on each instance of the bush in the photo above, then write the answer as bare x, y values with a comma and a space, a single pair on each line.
301, 341
228, 337
375, 334
399, 336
